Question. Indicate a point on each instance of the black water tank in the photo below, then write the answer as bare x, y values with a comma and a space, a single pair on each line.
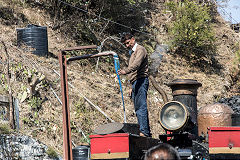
81, 153
35, 37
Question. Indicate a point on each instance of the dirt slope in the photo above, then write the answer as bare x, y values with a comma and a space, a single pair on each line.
99, 86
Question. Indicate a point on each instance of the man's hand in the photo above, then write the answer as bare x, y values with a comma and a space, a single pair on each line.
121, 72
130, 92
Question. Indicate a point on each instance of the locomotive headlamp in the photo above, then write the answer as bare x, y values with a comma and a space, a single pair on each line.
173, 116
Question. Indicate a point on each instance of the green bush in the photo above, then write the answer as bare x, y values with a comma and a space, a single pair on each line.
51, 153
191, 31
5, 129
35, 103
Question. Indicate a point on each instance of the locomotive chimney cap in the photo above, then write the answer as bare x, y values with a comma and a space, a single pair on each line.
184, 82
184, 86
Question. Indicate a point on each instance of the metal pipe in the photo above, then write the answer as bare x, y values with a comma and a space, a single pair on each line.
159, 89
106, 53
80, 48
67, 145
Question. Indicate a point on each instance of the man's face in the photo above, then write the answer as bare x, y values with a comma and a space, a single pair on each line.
130, 43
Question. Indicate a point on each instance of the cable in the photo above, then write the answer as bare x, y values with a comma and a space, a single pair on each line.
103, 18
217, 4
128, 26
231, 18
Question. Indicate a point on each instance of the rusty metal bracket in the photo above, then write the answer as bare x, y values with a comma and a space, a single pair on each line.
63, 61
67, 145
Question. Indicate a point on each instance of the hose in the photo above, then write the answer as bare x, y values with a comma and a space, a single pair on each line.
159, 89
117, 67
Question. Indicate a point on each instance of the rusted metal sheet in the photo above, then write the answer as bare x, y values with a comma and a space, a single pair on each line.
214, 115
67, 145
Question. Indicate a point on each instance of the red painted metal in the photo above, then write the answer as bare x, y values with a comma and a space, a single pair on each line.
120, 145
230, 128
168, 138
67, 144
116, 143
224, 137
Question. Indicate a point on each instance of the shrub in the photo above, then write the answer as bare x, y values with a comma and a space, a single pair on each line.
191, 31
51, 153
5, 129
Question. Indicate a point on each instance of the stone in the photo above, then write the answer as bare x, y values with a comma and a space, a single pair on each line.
23, 147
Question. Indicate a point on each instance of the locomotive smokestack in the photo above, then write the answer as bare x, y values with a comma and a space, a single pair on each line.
185, 91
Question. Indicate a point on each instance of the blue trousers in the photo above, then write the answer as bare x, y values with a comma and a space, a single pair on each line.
139, 96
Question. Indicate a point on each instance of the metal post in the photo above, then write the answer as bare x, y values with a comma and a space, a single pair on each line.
67, 145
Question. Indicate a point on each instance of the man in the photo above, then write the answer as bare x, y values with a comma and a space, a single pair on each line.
163, 151
137, 71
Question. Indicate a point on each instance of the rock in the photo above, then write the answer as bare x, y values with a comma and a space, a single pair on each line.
22, 147
233, 102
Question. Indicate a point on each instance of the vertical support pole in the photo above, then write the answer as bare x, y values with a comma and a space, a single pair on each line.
67, 145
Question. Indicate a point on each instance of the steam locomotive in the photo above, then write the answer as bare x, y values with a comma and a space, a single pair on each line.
196, 135
179, 118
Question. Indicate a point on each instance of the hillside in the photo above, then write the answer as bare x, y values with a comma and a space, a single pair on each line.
41, 112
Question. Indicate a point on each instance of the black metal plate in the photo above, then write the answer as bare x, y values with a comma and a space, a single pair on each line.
109, 128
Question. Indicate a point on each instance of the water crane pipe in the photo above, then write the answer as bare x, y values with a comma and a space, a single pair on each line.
117, 67
106, 53
63, 61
